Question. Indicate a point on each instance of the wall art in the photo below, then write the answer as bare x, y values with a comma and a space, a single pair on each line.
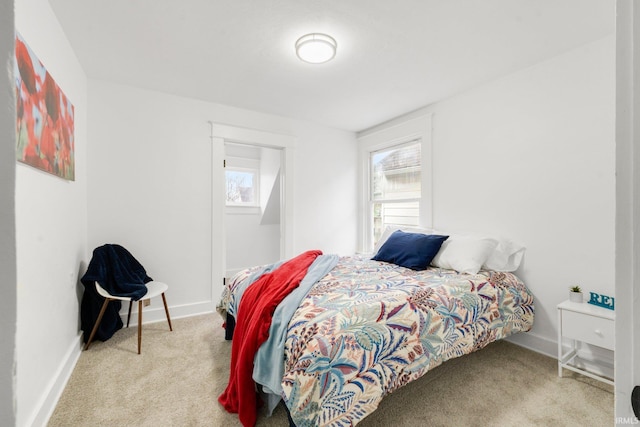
45, 117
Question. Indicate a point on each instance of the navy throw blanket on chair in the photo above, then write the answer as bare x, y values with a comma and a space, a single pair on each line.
120, 274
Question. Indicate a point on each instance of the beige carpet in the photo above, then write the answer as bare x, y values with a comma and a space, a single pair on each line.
179, 375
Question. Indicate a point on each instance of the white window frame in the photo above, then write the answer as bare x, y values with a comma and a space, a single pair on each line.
395, 133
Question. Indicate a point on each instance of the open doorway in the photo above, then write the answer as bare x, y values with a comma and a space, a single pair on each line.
253, 206
221, 135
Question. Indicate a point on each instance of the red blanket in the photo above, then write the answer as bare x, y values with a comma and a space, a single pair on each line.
255, 313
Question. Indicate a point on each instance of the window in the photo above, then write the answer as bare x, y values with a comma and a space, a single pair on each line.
395, 185
395, 177
242, 186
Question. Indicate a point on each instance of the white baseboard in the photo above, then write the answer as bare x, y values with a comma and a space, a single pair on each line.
156, 314
533, 342
50, 397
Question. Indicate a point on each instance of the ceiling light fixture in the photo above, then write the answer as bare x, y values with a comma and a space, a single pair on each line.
316, 48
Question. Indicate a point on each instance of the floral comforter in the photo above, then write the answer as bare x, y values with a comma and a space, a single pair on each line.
369, 327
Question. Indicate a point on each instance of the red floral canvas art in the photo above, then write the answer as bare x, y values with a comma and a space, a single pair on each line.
44, 124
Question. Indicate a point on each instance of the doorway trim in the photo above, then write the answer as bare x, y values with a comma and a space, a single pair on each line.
220, 134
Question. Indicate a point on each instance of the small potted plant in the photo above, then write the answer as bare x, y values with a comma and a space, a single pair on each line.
575, 294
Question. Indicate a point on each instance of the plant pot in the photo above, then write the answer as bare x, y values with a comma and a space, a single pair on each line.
575, 296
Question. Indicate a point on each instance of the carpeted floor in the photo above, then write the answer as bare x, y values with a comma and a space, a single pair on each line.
179, 375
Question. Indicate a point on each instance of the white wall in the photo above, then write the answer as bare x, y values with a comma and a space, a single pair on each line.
248, 242
531, 156
51, 232
150, 184
269, 171
7, 218
325, 190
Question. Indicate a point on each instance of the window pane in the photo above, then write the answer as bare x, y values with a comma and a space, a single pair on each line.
403, 214
396, 173
240, 187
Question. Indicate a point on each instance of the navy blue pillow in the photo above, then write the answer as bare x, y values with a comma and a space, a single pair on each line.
411, 250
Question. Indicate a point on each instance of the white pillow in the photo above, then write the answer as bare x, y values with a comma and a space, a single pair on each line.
465, 254
388, 231
507, 256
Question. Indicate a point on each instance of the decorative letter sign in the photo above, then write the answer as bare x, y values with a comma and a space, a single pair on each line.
601, 300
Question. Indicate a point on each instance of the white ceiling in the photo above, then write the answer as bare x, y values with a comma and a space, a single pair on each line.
393, 56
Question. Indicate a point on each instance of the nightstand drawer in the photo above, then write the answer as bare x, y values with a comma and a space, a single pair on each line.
589, 329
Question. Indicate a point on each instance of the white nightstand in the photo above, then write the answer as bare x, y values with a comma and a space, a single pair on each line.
585, 323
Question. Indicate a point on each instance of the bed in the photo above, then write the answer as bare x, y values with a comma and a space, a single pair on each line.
368, 327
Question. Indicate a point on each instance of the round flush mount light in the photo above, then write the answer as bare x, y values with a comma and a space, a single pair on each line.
316, 48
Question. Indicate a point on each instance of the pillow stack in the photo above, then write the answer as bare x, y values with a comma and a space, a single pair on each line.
419, 248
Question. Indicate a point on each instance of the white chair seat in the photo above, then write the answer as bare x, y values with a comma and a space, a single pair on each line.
153, 290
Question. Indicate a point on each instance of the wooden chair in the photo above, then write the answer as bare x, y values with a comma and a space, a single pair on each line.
153, 290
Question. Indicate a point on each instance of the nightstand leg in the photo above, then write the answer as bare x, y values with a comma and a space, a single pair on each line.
560, 343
